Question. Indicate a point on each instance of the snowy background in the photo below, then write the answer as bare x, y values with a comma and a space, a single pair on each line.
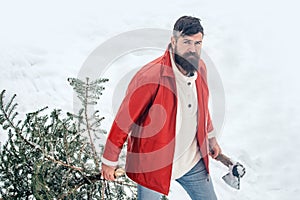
254, 45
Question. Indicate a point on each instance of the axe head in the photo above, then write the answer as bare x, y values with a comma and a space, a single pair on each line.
236, 171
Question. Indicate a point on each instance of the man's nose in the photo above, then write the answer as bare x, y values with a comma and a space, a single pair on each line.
192, 48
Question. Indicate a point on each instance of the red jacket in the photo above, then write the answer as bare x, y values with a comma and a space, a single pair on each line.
148, 115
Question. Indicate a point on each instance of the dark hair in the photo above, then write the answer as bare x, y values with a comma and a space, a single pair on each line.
187, 25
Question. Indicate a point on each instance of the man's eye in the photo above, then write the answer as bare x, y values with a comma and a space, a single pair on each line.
198, 43
187, 42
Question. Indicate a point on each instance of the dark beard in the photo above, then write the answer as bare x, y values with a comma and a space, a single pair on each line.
188, 61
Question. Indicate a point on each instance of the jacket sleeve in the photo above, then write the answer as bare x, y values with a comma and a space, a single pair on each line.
138, 99
209, 128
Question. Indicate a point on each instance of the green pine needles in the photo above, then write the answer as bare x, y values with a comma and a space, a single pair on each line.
54, 156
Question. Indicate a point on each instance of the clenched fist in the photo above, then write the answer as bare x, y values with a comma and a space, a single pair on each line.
214, 148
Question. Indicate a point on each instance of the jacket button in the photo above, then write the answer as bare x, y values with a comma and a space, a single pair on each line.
190, 105
189, 83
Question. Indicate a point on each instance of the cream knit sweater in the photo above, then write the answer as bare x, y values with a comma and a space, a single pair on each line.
187, 152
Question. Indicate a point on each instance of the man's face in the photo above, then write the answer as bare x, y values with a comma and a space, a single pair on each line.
187, 50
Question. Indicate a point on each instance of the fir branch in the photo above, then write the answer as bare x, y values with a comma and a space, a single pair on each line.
87, 180
66, 146
12, 109
88, 126
5, 115
73, 190
31, 144
103, 190
10, 102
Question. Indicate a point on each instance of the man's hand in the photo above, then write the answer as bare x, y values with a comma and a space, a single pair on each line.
214, 148
108, 172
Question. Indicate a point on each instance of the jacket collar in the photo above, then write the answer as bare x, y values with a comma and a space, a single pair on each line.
166, 64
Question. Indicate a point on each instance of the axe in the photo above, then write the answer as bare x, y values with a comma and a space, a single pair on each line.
236, 171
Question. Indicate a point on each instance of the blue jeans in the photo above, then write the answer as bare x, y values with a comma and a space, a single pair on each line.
197, 183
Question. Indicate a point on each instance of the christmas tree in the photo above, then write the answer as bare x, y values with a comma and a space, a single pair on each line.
54, 156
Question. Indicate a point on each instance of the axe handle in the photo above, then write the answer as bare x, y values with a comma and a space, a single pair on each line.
224, 159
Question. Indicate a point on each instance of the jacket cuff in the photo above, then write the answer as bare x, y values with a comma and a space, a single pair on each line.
108, 162
212, 134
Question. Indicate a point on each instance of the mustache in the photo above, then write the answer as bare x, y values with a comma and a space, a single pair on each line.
188, 54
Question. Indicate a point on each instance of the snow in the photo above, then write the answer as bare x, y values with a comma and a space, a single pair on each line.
254, 45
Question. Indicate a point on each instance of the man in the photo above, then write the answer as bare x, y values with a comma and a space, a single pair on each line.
165, 118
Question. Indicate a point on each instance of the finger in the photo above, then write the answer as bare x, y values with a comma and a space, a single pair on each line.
213, 153
217, 152
106, 176
111, 177
215, 156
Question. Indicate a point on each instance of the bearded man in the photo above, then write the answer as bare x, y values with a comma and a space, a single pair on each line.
164, 117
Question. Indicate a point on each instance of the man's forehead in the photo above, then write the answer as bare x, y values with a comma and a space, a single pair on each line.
195, 37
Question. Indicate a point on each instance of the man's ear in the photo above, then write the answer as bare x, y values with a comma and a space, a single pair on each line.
173, 42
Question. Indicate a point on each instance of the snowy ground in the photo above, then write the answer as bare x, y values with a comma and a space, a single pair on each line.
254, 45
